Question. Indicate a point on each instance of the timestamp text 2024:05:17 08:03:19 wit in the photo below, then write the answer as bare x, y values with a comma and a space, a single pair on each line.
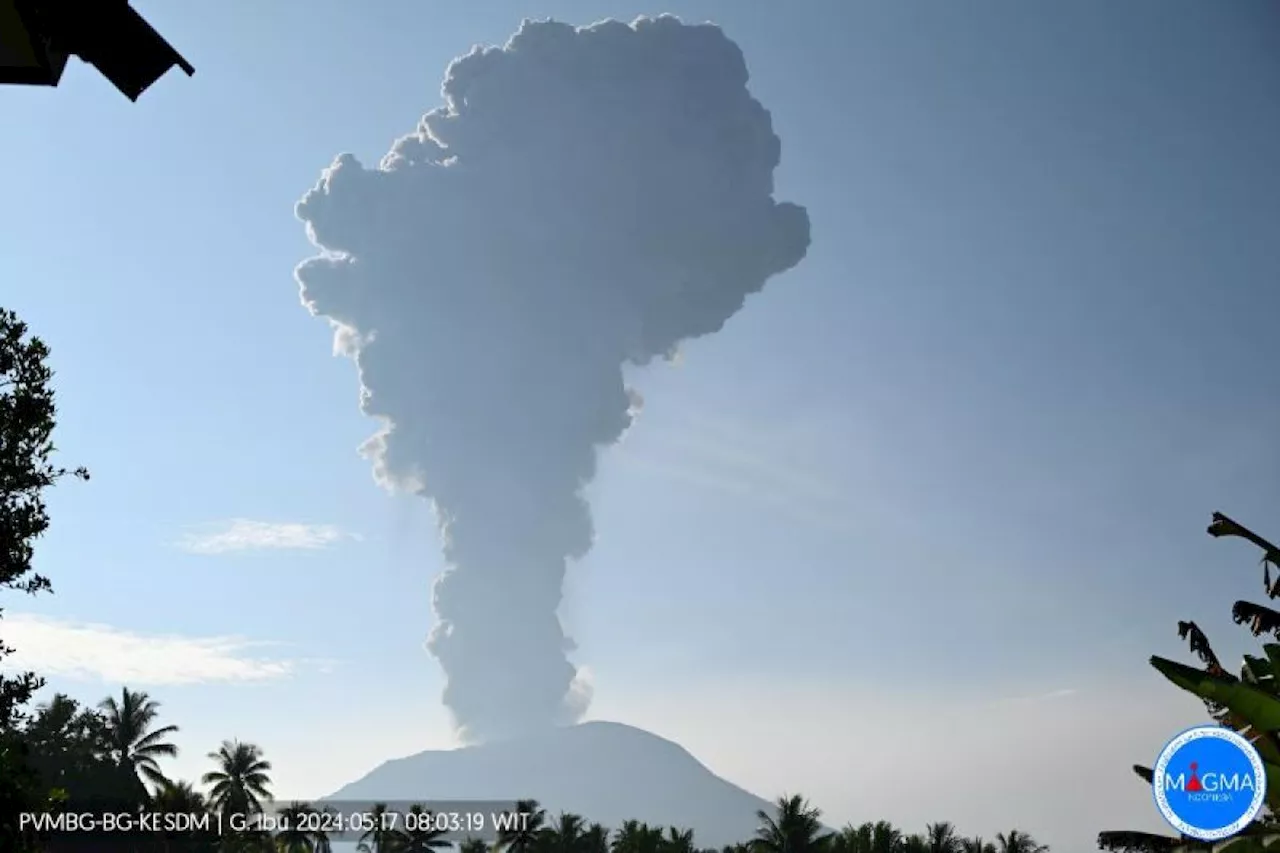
332, 821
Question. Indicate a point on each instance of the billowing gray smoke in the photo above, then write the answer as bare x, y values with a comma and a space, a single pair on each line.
585, 198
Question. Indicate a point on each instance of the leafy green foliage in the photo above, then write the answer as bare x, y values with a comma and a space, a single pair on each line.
1249, 704
27, 419
70, 748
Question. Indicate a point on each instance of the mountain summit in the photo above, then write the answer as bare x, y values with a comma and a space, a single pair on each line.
606, 772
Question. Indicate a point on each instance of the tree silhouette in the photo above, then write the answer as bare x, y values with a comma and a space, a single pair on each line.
941, 837
1014, 841
914, 843
27, 420
679, 841
565, 836
796, 828
240, 784
637, 837
976, 845
380, 837
131, 741
522, 835
418, 833
179, 798
596, 839
297, 836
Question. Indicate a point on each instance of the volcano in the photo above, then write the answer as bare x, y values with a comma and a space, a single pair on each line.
606, 772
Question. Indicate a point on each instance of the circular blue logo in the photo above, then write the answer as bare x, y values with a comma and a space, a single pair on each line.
1209, 783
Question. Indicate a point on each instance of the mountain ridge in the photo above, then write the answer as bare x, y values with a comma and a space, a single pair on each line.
608, 772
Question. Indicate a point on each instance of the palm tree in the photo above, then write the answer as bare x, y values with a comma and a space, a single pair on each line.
56, 714
914, 843
380, 837
319, 838
130, 742
627, 838
239, 785
1018, 842
565, 836
885, 837
595, 839
295, 837
942, 838
179, 798
252, 840
67, 739
473, 845
976, 845
522, 836
851, 839
679, 841
637, 837
795, 829
878, 837
418, 833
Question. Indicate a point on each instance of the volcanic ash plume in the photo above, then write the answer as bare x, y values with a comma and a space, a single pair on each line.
584, 198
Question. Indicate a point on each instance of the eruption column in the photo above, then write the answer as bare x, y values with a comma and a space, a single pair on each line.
585, 198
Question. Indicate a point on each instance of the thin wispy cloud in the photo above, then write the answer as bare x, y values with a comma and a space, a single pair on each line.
95, 652
1043, 696
242, 534
752, 462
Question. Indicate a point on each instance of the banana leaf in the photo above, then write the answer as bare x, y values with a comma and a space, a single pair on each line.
1260, 709
1242, 703
1242, 845
1273, 787
1259, 672
1261, 620
1273, 655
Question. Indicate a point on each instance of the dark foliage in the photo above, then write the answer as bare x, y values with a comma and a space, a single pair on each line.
1200, 646
26, 447
27, 419
1260, 620
1224, 526
1136, 842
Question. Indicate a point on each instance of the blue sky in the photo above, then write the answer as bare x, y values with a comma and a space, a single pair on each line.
943, 483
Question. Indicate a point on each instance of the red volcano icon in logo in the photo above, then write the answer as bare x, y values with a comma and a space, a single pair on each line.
1193, 784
